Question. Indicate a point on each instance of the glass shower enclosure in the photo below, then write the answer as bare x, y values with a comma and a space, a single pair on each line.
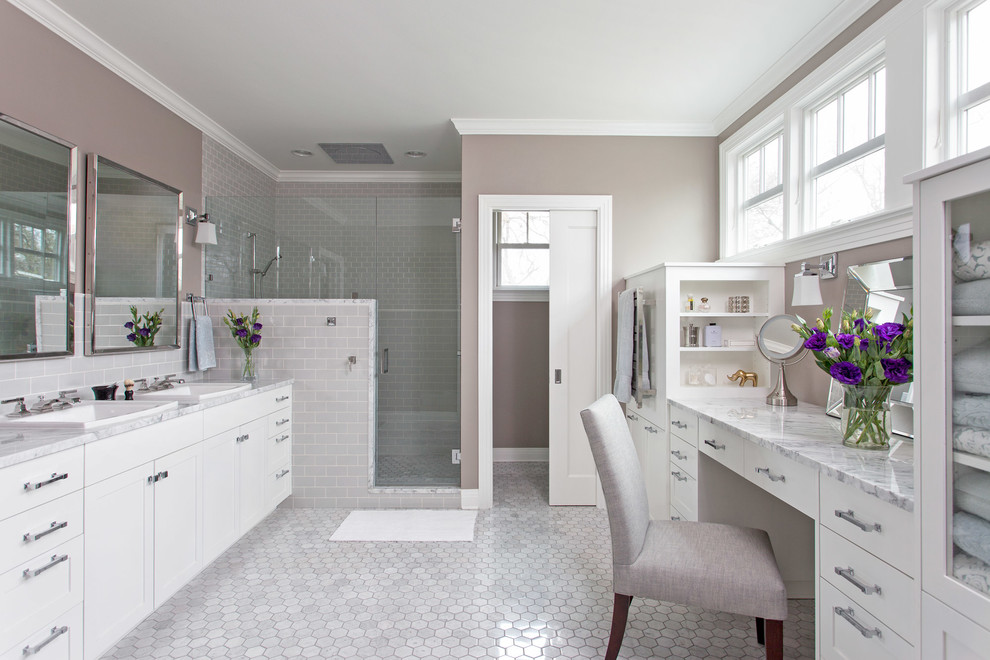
398, 250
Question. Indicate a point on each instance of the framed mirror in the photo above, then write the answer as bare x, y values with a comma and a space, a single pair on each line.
887, 288
37, 242
133, 260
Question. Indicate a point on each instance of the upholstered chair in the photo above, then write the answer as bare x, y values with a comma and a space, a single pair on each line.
708, 565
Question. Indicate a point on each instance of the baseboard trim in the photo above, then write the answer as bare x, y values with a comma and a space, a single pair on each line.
469, 498
521, 454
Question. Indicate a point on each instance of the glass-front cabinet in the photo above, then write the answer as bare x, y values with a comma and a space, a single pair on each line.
952, 317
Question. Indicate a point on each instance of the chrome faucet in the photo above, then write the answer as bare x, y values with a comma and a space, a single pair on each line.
20, 410
144, 384
63, 400
166, 383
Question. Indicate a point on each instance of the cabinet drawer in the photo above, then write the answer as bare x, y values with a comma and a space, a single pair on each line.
279, 485
38, 530
59, 639
723, 446
783, 478
677, 515
280, 398
869, 582
684, 493
684, 425
848, 632
280, 422
41, 480
684, 456
874, 525
125, 451
279, 450
38, 589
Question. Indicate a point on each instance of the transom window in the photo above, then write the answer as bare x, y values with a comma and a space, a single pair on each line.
763, 191
522, 241
974, 76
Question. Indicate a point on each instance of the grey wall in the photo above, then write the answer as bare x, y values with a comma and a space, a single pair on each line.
664, 195
520, 394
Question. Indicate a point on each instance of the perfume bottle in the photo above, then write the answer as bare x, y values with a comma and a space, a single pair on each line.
704, 306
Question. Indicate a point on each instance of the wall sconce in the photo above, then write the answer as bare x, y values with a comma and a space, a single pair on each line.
807, 289
206, 231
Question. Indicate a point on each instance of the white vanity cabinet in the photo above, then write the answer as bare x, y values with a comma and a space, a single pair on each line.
651, 449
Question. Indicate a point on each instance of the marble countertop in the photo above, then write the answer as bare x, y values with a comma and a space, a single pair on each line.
806, 435
17, 445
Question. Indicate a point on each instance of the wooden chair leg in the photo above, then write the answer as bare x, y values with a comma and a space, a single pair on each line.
775, 639
760, 631
620, 612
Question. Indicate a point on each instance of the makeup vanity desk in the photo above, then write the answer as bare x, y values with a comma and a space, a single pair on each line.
841, 520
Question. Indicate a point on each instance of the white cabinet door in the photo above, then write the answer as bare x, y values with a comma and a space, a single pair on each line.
221, 510
655, 470
178, 520
119, 541
252, 470
947, 635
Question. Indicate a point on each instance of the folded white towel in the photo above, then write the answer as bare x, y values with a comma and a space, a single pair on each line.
622, 389
206, 356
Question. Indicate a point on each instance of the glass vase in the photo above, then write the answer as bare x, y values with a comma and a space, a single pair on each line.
249, 368
866, 416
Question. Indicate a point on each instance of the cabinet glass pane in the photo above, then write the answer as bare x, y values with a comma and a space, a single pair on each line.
969, 480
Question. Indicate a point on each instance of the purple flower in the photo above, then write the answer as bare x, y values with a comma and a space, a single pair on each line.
860, 324
816, 342
131, 337
129, 325
864, 344
257, 326
846, 373
896, 370
241, 332
831, 352
239, 321
889, 331
255, 339
846, 341
144, 332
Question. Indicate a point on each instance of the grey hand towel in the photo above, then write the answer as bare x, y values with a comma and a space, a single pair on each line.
206, 356
191, 343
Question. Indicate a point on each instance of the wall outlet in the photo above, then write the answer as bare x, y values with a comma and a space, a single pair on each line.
455, 456
332, 321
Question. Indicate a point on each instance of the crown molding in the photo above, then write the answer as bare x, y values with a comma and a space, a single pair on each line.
828, 29
582, 127
399, 176
58, 21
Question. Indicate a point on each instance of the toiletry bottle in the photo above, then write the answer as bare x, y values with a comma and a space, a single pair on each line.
713, 335
689, 307
704, 306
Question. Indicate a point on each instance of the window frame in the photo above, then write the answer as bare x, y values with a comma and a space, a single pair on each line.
947, 99
769, 134
499, 246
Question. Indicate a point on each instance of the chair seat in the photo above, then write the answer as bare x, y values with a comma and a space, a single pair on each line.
708, 565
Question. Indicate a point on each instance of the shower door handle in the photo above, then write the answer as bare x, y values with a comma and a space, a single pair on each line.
384, 360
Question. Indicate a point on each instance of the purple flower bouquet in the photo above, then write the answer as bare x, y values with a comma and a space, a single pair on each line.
867, 359
246, 331
141, 329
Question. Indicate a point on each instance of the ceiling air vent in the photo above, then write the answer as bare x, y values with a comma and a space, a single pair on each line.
357, 153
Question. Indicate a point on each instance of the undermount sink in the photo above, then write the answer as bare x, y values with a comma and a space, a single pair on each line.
89, 415
192, 392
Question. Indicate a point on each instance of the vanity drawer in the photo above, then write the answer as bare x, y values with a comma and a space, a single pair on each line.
280, 422
40, 529
684, 425
126, 451
677, 515
783, 478
684, 493
279, 485
723, 446
876, 526
280, 398
40, 480
38, 589
869, 582
279, 450
684, 456
59, 639
848, 632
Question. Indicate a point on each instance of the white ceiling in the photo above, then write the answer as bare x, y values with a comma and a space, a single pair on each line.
284, 75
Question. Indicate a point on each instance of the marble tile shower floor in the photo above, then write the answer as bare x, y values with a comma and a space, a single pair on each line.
535, 583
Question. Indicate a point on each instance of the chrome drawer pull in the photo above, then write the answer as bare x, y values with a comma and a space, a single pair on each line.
714, 445
850, 516
632, 417
282, 439
677, 454
675, 517
282, 421
651, 429
280, 399
54, 527
242, 438
848, 615
680, 425
282, 473
770, 475
55, 477
28, 573
56, 633
850, 575
678, 476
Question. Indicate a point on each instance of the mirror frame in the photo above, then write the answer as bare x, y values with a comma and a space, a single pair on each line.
72, 188
833, 405
92, 218
795, 356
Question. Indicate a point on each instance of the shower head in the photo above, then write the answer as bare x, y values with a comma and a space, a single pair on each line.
270, 262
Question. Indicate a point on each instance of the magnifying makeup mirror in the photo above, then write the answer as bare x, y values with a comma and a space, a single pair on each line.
781, 346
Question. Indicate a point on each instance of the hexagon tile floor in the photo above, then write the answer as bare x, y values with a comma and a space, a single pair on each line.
536, 583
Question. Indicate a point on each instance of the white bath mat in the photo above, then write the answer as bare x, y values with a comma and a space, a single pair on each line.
407, 525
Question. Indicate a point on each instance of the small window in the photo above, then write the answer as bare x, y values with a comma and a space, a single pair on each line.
522, 241
974, 78
762, 210
847, 152
37, 252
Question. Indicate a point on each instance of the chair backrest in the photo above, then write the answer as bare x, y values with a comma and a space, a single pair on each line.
622, 479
